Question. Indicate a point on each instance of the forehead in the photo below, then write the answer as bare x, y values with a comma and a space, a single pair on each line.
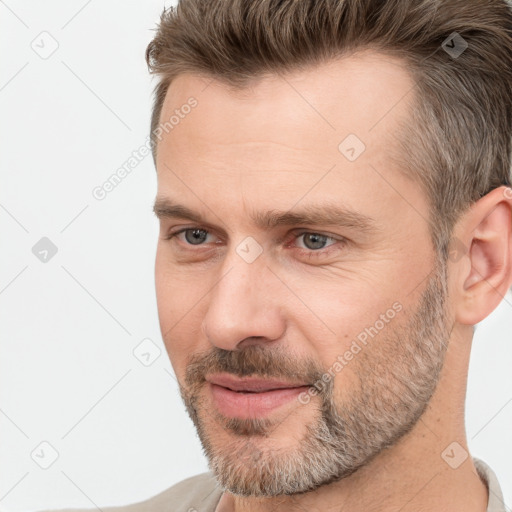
365, 93
282, 133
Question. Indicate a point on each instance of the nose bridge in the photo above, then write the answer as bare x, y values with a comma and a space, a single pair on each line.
243, 304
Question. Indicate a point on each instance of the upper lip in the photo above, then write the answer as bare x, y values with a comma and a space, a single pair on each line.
251, 383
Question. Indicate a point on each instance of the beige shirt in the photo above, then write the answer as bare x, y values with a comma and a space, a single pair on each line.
201, 493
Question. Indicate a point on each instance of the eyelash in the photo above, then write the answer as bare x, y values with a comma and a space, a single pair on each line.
308, 253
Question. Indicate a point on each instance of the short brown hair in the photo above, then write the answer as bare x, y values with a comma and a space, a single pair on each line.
458, 139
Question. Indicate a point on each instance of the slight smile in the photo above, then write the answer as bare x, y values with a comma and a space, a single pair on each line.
248, 397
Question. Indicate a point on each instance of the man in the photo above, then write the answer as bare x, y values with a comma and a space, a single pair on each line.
335, 217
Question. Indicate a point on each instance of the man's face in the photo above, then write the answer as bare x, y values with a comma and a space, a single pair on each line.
262, 285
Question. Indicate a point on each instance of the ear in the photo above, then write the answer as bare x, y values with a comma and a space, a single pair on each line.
481, 256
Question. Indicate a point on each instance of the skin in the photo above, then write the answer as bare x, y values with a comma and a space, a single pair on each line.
274, 146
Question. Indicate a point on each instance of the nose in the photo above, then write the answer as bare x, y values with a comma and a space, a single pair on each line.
245, 306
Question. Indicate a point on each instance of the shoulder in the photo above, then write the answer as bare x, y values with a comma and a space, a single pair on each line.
487, 475
199, 493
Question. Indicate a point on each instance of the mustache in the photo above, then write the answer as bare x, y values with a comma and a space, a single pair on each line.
254, 360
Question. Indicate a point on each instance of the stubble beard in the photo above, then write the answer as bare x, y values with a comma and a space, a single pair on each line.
396, 377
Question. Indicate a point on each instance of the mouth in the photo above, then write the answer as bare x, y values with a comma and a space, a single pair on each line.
251, 397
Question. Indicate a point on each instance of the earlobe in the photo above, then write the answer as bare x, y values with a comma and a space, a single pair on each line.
487, 271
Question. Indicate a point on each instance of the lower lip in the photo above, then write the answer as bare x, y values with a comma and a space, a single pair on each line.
252, 405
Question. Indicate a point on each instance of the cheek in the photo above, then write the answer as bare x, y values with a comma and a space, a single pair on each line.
343, 318
180, 309
340, 304
164, 292
172, 287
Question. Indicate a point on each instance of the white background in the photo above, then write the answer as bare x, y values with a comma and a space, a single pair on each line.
68, 375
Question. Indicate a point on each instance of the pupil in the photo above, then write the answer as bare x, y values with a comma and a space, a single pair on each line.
198, 236
314, 241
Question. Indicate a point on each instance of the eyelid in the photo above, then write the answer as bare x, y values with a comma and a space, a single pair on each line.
173, 234
338, 243
302, 231
294, 235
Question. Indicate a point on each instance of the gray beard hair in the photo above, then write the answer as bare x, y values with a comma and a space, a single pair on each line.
397, 375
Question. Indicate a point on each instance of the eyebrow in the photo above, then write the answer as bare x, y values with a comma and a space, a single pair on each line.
311, 215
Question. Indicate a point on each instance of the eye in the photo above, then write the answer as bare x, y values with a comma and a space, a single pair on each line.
307, 244
191, 236
195, 236
316, 246
314, 241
